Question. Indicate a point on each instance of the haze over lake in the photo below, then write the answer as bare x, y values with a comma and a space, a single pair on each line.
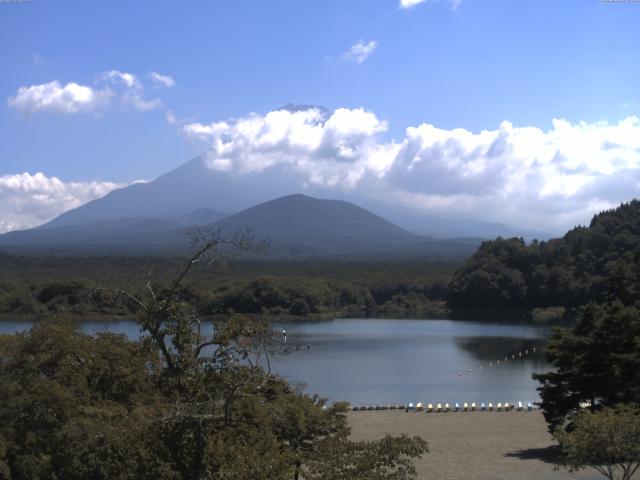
386, 361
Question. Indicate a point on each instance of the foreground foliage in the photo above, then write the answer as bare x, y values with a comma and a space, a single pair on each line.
185, 402
597, 362
607, 441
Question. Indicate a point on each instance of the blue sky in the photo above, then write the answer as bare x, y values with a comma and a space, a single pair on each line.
469, 65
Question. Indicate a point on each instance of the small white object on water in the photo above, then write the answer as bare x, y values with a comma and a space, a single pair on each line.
430, 408
446, 407
473, 406
490, 406
465, 407
419, 406
529, 406
439, 407
456, 407
410, 407
519, 406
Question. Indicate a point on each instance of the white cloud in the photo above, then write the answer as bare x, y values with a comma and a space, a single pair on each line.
170, 117
128, 79
29, 200
134, 91
525, 176
53, 97
162, 80
126, 88
136, 99
360, 51
412, 3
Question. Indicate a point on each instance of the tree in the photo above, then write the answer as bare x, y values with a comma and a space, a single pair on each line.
387, 459
607, 441
597, 361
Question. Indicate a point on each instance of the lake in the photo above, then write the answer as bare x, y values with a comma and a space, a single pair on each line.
382, 361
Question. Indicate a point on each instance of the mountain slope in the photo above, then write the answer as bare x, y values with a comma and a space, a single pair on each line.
295, 226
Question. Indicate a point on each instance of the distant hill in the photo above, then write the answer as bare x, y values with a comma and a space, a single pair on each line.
295, 226
594, 263
299, 221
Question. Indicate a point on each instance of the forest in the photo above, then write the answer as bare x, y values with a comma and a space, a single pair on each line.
596, 263
31, 287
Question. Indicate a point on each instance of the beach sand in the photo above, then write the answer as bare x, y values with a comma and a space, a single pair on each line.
472, 445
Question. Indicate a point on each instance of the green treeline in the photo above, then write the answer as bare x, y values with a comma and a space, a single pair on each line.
589, 264
29, 287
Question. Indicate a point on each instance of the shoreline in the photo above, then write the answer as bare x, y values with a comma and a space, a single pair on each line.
472, 445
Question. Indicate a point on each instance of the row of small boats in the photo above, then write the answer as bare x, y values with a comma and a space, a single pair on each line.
456, 407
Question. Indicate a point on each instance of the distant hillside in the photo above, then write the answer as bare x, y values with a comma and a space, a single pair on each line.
123, 233
594, 263
295, 226
299, 221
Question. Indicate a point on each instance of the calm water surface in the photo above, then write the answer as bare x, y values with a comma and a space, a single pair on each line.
372, 361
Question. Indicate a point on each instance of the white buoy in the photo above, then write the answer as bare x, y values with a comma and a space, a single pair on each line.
490, 406
519, 406
439, 407
473, 406
507, 407
456, 407
411, 407
465, 406
419, 406
499, 406
529, 406
430, 408
446, 407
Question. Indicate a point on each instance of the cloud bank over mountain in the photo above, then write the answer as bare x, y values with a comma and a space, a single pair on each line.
521, 175
29, 200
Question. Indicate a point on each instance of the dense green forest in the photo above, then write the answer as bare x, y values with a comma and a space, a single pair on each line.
32, 287
595, 263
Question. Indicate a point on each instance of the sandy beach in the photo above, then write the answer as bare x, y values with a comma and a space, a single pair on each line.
472, 445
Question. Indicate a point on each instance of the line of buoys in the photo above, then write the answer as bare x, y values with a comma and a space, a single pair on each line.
439, 407
506, 359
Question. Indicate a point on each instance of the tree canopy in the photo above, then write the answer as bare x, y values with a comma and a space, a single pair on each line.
597, 361
595, 263
607, 441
